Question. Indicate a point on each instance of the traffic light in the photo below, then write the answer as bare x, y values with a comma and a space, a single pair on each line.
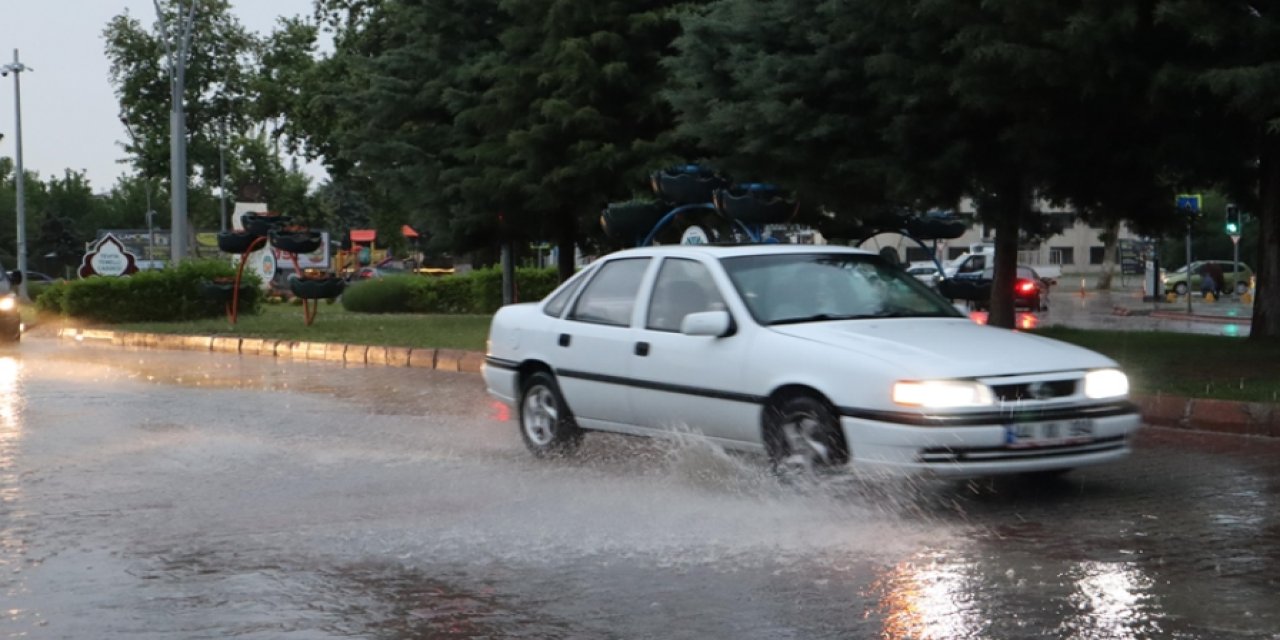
1233, 219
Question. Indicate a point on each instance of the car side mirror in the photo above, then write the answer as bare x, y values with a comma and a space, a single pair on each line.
15, 277
716, 324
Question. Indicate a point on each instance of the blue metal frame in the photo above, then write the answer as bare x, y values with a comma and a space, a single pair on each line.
666, 219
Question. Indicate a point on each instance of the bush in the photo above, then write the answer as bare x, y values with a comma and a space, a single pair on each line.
479, 291
170, 295
379, 295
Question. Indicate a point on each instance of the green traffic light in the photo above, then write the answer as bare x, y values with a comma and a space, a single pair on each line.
1232, 227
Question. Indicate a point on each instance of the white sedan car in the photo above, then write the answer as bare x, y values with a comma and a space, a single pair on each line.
816, 356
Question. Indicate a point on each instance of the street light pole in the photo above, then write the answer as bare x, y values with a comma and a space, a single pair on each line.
178, 51
16, 68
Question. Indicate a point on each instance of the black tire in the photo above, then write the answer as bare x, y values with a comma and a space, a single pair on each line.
546, 424
1180, 288
1242, 288
804, 432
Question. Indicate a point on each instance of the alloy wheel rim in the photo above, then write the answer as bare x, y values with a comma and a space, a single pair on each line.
805, 445
540, 415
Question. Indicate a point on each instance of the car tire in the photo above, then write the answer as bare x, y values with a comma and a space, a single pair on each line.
802, 433
1242, 288
1180, 288
546, 424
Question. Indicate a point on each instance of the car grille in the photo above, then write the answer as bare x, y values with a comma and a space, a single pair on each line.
1038, 390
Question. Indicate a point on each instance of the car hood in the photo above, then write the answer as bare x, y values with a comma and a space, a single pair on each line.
948, 347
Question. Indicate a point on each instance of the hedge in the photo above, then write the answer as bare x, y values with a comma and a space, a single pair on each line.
168, 295
478, 291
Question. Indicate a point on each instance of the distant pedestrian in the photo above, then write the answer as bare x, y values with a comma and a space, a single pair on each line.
1211, 279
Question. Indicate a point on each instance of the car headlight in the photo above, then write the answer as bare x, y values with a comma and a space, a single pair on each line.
939, 394
1106, 383
7, 303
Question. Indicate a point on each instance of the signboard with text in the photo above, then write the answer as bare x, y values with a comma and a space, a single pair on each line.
108, 257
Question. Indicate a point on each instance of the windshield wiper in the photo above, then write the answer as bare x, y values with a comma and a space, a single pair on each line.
822, 317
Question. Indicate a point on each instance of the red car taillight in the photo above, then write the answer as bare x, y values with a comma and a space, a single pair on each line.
1025, 287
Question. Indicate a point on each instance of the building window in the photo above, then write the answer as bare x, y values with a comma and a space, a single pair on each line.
1097, 255
918, 254
1062, 255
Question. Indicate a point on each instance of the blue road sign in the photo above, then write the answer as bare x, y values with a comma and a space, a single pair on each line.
1189, 202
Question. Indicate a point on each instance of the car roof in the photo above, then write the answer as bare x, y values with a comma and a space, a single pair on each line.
735, 250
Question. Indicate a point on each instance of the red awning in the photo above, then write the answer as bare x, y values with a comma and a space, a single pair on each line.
363, 235
408, 231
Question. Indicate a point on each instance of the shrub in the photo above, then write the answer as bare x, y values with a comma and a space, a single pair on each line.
479, 291
150, 296
379, 295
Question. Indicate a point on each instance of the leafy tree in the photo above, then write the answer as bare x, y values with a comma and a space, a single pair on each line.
222, 76
1227, 76
772, 92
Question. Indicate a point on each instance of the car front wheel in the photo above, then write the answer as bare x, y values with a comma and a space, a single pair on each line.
803, 433
546, 425
1180, 288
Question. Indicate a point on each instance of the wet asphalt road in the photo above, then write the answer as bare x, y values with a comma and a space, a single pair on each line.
151, 494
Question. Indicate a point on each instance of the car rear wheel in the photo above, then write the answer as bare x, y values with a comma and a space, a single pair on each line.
546, 425
803, 433
1242, 288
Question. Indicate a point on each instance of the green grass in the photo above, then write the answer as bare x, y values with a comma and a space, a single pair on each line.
1187, 365
335, 324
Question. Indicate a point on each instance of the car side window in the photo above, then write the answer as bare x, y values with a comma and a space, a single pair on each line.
683, 287
555, 306
611, 295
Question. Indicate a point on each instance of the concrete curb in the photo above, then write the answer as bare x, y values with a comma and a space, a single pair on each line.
1219, 416
1197, 317
453, 360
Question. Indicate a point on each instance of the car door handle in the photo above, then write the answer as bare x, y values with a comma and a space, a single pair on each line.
564, 339
642, 349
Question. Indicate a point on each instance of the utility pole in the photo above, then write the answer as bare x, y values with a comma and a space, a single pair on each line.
16, 68
177, 48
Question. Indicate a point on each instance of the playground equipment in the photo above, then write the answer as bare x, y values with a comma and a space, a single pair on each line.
697, 204
695, 197
291, 240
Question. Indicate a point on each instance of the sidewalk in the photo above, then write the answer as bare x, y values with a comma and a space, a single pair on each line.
1124, 309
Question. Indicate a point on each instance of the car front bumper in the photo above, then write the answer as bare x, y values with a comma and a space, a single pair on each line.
980, 449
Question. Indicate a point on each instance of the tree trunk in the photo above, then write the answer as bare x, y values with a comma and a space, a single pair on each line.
566, 245
1110, 238
1266, 307
1013, 203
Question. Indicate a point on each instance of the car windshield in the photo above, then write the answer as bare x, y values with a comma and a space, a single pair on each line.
792, 288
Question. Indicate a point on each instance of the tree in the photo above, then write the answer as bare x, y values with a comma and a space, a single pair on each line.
218, 93
1229, 72
771, 92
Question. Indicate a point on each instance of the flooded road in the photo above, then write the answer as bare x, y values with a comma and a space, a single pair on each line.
152, 494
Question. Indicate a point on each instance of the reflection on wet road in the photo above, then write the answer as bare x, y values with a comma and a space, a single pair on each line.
148, 494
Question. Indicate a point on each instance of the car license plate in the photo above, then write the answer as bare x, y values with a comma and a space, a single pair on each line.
1049, 433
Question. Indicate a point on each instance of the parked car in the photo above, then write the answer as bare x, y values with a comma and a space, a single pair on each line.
926, 272
818, 357
10, 319
1030, 289
35, 277
1176, 280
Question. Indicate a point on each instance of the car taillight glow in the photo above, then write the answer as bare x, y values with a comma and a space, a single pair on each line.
1026, 286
